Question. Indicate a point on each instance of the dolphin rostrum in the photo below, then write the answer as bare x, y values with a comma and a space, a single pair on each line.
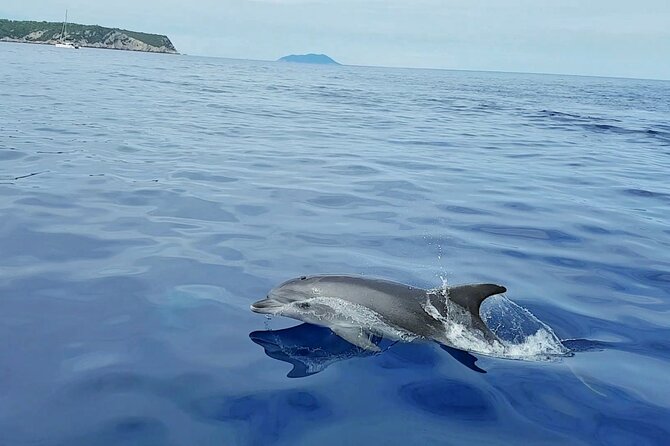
358, 308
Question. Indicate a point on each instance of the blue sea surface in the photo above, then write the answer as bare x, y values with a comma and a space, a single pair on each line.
147, 200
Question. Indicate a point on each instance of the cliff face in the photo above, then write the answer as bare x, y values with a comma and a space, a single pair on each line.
84, 35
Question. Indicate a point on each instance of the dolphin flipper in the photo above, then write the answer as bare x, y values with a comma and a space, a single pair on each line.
358, 337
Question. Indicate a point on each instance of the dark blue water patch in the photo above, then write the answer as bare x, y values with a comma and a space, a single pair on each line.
598, 230
443, 397
132, 431
45, 200
355, 170
419, 143
643, 193
320, 240
455, 209
586, 345
195, 209
21, 244
116, 382
179, 390
251, 210
10, 154
228, 253
382, 186
223, 237
375, 216
428, 221
525, 155
530, 233
168, 272
563, 116
204, 176
565, 262
521, 206
600, 280
266, 417
662, 135
514, 253
566, 405
628, 278
400, 195
621, 431
577, 333
350, 201
45, 291
409, 165
143, 226
139, 197
58, 130
595, 124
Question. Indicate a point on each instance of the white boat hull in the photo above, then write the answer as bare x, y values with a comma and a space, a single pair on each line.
65, 45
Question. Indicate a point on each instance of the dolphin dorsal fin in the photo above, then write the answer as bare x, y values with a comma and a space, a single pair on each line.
472, 296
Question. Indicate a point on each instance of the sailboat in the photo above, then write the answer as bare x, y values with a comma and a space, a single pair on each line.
62, 42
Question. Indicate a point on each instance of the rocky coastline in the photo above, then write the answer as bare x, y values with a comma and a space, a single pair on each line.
90, 36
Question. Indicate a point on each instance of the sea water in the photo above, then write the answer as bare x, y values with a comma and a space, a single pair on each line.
146, 200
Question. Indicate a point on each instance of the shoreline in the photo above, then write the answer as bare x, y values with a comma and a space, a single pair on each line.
93, 46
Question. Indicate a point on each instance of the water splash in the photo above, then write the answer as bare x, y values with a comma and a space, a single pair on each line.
523, 335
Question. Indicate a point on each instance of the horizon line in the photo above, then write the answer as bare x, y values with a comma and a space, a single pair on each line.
340, 64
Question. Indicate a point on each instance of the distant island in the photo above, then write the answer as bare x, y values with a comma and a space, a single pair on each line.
321, 59
92, 36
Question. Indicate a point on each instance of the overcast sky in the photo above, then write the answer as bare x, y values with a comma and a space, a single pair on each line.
594, 37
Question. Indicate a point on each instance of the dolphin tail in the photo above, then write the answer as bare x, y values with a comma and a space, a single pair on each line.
471, 297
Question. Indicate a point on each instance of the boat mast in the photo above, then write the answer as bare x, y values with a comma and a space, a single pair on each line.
62, 29
65, 27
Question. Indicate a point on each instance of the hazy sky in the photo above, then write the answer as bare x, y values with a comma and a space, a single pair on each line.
599, 37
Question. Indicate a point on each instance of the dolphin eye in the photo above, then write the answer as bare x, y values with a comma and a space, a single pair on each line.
303, 305
303, 278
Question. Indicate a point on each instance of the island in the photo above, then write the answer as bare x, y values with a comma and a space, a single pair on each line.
321, 59
92, 36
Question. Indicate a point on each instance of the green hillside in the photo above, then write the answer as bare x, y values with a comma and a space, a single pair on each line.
86, 35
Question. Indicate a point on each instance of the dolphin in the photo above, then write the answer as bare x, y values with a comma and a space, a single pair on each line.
358, 309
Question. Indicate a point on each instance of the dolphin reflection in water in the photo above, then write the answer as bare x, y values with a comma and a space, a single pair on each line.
310, 349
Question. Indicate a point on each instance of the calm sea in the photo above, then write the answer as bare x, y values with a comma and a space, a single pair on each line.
146, 200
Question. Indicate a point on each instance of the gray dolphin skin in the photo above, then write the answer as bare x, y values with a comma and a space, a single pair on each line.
358, 308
